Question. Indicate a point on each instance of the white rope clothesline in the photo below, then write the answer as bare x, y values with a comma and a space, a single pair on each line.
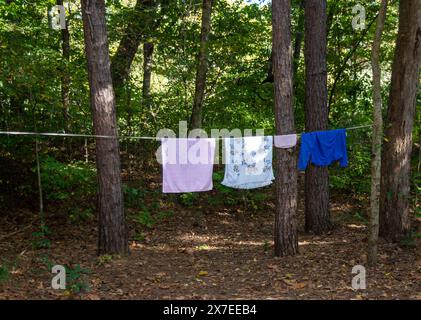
53, 134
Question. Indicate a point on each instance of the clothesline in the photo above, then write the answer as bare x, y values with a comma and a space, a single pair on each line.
347, 129
248, 160
53, 134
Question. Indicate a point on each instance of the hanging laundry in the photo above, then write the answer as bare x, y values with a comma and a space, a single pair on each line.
248, 162
285, 141
322, 148
187, 165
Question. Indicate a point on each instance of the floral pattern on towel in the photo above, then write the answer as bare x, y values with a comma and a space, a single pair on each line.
249, 162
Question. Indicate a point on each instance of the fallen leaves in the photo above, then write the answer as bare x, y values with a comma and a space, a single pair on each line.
219, 262
294, 284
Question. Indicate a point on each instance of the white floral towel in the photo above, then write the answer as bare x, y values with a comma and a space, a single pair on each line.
248, 162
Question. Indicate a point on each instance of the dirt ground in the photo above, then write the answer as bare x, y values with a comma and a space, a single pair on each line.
212, 253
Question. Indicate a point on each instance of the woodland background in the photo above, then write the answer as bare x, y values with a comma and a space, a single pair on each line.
44, 87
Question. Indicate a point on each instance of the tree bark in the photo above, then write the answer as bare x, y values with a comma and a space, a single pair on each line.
396, 156
297, 47
377, 137
202, 67
285, 237
317, 214
148, 48
127, 48
112, 228
65, 75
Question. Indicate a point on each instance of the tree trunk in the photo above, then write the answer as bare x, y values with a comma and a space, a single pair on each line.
127, 48
202, 66
112, 228
285, 237
297, 48
65, 76
147, 73
317, 215
396, 156
377, 137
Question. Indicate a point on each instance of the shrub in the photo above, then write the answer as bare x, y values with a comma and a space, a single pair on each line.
70, 184
4, 273
62, 181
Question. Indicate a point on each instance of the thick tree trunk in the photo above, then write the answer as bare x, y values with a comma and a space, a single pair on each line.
147, 73
286, 238
317, 214
377, 137
112, 228
396, 156
65, 76
298, 39
122, 60
202, 67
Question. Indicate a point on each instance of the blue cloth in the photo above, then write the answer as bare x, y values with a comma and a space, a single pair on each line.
322, 148
248, 162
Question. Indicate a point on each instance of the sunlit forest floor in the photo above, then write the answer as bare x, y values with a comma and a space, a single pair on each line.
205, 249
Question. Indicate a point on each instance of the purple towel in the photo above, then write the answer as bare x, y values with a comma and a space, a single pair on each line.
187, 165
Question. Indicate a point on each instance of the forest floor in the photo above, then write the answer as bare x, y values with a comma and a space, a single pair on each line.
205, 250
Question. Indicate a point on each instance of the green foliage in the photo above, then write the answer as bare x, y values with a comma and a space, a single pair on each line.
144, 218
139, 236
32, 65
76, 279
239, 51
131, 194
4, 273
410, 240
355, 177
62, 181
45, 259
162, 215
256, 199
266, 246
224, 195
40, 238
77, 214
133, 197
360, 217
251, 200
104, 259
189, 199
416, 183
218, 176
72, 184
149, 216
